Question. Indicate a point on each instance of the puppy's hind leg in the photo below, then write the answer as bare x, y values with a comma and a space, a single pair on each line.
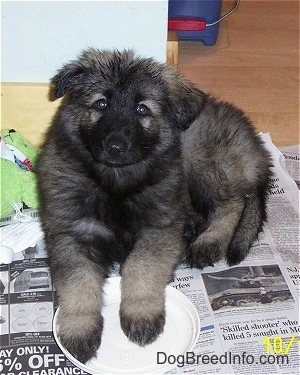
250, 224
211, 245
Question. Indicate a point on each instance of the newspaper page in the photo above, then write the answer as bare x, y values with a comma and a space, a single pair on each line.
249, 313
292, 161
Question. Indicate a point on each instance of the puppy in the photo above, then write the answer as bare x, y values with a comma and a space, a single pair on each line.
141, 168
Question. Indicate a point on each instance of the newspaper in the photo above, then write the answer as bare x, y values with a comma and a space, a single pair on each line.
249, 313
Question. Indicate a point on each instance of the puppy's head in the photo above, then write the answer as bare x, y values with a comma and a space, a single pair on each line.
124, 109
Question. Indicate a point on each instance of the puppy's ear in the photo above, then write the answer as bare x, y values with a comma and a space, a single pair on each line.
185, 99
72, 73
66, 77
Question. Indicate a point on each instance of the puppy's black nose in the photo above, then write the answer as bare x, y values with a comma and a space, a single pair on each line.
115, 146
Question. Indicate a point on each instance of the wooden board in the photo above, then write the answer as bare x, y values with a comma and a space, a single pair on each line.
172, 48
26, 108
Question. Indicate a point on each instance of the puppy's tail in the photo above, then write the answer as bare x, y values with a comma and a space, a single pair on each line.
248, 227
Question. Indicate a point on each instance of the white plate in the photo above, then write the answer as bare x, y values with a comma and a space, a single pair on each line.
117, 355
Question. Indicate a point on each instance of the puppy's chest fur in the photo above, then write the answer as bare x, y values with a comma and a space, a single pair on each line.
111, 224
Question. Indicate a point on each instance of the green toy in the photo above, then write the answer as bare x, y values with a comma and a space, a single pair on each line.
18, 180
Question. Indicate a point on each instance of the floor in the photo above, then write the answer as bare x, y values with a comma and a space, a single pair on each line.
254, 64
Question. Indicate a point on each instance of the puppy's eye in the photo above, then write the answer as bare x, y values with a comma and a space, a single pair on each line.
101, 104
143, 110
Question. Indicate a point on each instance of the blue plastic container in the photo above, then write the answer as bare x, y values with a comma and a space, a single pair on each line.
205, 11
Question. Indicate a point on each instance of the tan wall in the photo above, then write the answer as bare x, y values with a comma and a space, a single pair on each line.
25, 107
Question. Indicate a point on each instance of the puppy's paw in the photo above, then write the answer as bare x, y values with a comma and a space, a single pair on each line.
142, 328
201, 255
81, 336
236, 254
82, 348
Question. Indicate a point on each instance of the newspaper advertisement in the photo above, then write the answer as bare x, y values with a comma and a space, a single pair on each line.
249, 313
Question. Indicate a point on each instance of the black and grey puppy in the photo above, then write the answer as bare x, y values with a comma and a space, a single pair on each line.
138, 167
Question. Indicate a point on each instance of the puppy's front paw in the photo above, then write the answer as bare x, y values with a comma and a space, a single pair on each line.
81, 335
141, 327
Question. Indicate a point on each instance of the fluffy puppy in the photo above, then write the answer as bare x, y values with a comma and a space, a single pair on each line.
141, 168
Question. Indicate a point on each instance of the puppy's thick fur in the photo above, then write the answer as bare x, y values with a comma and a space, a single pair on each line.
140, 167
